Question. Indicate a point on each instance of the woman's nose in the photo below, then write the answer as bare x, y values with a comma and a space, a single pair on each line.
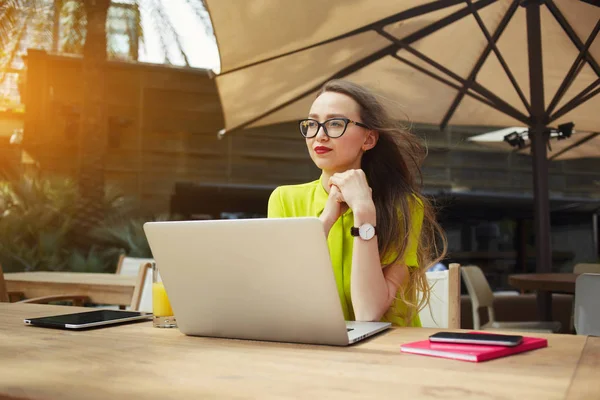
321, 135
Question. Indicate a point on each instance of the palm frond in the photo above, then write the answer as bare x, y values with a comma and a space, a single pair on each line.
9, 13
12, 13
10, 10
13, 49
156, 24
165, 22
73, 21
41, 23
201, 10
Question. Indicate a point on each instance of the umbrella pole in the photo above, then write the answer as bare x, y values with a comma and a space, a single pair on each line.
543, 251
539, 135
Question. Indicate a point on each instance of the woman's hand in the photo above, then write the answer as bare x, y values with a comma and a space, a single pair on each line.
355, 190
334, 208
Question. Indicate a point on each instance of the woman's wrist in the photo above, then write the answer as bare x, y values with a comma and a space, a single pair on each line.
365, 213
327, 223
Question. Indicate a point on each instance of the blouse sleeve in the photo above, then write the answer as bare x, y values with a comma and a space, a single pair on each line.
275, 207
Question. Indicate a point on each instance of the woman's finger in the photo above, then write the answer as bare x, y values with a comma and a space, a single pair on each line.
333, 181
336, 194
338, 179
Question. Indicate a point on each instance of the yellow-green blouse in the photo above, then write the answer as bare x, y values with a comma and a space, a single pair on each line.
309, 199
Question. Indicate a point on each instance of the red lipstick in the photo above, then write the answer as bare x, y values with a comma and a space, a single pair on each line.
322, 149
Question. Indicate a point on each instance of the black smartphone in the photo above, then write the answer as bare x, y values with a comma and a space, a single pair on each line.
491, 339
88, 319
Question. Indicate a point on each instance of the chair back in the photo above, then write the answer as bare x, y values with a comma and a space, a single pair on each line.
131, 265
443, 309
586, 268
587, 312
582, 268
142, 294
3, 290
480, 293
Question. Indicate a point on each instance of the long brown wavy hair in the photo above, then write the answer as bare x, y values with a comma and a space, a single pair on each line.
393, 170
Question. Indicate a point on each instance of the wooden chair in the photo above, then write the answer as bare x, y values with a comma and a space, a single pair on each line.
142, 294
482, 297
141, 300
443, 309
6, 297
130, 265
587, 312
582, 268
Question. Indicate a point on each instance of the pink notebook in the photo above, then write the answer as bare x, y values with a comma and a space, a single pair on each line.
471, 352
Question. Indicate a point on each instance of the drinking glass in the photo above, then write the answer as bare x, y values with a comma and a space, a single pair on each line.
161, 307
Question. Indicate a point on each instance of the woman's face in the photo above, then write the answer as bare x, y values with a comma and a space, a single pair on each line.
334, 155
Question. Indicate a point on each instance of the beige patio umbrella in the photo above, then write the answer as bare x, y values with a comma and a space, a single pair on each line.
473, 62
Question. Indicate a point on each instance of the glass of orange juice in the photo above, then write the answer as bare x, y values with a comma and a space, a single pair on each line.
161, 307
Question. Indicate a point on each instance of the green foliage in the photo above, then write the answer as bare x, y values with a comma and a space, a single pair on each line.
36, 228
127, 235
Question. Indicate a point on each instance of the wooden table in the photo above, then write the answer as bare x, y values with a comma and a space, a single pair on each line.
141, 362
545, 285
100, 288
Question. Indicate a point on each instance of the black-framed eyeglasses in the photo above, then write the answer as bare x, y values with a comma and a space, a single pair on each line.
334, 127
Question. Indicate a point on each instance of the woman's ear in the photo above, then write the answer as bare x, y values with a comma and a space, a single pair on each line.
371, 140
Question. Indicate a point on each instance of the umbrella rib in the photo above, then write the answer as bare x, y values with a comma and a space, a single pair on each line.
502, 105
386, 51
560, 18
401, 16
574, 71
576, 101
576, 144
479, 64
443, 80
501, 59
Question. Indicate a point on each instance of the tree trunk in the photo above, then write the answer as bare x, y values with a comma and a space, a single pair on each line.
92, 135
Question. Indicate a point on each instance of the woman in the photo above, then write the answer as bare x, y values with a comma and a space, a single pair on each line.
381, 231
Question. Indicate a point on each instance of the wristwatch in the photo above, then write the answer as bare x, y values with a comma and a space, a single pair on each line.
365, 231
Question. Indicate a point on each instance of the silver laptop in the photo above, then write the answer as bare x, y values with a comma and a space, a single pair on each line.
257, 279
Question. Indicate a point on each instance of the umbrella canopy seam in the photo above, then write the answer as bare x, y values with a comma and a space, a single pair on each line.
388, 50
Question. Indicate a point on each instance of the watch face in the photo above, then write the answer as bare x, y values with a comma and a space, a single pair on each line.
366, 231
